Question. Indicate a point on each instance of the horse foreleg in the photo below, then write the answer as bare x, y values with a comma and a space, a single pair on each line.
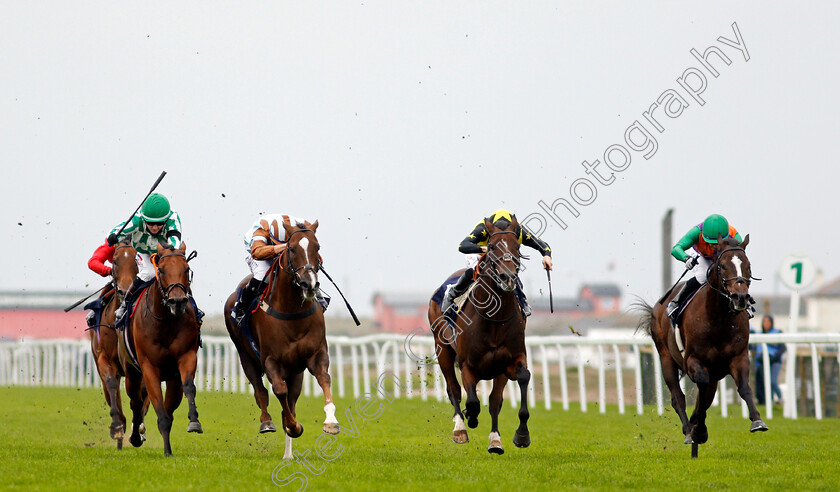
152, 379
186, 367
112, 385
473, 407
320, 369
281, 391
705, 396
254, 373
739, 367
496, 399
522, 438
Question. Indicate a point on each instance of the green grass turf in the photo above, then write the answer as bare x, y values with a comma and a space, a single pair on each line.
56, 438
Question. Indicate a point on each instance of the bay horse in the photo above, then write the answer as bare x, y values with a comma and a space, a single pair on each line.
104, 339
164, 332
487, 340
715, 336
289, 330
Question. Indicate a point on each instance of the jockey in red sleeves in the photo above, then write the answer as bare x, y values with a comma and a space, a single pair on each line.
103, 253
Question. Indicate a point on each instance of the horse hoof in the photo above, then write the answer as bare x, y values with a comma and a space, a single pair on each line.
294, 434
136, 440
195, 427
267, 426
460, 437
758, 425
117, 432
688, 439
521, 440
700, 437
331, 428
496, 448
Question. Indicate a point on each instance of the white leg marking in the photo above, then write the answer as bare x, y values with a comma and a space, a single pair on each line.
329, 409
737, 262
287, 455
459, 424
494, 436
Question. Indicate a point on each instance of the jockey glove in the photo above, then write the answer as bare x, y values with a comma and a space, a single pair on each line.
112, 239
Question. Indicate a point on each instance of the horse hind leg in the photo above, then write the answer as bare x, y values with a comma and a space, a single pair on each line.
255, 376
292, 427
705, 396
133, 387
670, 372
117, 429
446, 360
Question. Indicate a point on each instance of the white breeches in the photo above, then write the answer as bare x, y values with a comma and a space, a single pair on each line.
472, 259
146, 269
259, 268
701, 268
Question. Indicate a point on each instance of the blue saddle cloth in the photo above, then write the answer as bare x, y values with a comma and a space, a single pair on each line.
437, 297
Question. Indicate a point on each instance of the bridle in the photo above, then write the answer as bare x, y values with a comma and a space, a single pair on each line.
718, 269
492, 263
295, 273
166, 290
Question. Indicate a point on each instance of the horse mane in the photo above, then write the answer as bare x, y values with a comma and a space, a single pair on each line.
167, 246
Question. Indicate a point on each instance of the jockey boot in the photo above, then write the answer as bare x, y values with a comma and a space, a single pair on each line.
457, 290
129, 296
523, 301
686, 291
323, 300
249, 293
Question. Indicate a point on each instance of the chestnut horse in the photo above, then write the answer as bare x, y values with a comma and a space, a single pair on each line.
164, 332
103, 340
715, 335
290, 333
488, 341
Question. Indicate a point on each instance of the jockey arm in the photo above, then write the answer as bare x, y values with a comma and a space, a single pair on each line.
262, 247
470, 243
97, 262
690, 239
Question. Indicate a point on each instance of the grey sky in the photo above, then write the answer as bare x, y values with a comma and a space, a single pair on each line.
398, 125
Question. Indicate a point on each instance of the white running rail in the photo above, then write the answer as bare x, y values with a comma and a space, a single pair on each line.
554, 361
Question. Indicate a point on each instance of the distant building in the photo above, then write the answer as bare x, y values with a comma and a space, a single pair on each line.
605, 298
40, 314
396, 312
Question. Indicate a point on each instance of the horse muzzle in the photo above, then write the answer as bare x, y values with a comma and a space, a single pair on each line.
177, 306
739, 301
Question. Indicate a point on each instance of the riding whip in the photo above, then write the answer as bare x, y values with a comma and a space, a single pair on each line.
352, 313
160, 178
68, 308
665, 296
550, 296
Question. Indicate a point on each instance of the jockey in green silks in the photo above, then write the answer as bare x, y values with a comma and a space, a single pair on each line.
701, 239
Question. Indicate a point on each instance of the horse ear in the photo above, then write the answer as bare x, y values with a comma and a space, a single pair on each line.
159, 248
183, 247
745, 242
314, 226
489, 226
719, 239
514, 222
289, 228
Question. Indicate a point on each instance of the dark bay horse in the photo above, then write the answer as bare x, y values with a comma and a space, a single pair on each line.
164, 333
290, 333
487, 341
103, 340
715, 335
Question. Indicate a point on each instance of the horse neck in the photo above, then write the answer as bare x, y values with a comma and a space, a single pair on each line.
482, 300
285, 296
718, 304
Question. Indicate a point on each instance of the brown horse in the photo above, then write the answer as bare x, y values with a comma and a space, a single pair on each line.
290, 333
488, 341
715, 336
164, 332
103, 341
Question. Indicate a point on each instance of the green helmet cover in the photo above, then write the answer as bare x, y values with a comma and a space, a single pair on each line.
713, 225
155, 208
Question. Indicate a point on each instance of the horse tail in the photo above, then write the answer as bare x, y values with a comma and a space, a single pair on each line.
646, 320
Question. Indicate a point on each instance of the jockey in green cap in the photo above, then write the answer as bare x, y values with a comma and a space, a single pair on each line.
475, 245
155, 223
702, 239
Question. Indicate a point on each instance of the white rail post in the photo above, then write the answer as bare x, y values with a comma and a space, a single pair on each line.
768, 389
439, 392
339, 353
396, 369
424, 372
640, 408
512, 392
485, 392
581, 379
602, 381
815, 373
354, 360
723, 398
619, 379
545, 375
366, 367
564, 384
